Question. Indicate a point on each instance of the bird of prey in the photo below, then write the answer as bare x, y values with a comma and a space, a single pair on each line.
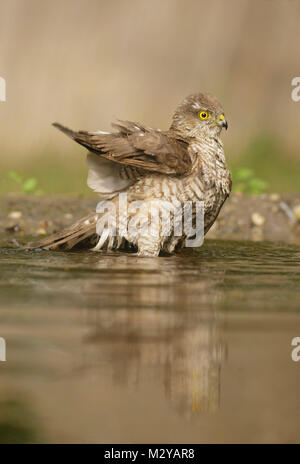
183, 164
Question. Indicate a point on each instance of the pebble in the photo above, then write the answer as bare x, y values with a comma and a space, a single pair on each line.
13, 228
274, 197
258, 219
15, 215
296, 211
41, 231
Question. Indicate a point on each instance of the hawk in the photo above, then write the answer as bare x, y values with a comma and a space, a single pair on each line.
183, 164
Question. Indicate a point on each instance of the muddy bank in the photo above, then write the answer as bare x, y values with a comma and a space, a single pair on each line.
269, 217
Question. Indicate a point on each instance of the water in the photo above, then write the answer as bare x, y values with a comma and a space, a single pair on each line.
115, 348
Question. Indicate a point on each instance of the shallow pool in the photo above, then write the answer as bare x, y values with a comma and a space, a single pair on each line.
185, 349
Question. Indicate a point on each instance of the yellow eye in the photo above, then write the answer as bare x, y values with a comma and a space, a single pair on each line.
204, 115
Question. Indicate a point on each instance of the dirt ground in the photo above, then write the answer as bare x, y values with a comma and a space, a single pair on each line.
271, 217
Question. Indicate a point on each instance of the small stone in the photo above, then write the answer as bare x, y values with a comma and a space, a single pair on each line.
296, 211
15, 215
14, 228
274, 197
68, 216
41, 231
257, 219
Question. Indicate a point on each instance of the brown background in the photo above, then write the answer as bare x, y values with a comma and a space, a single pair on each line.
88, 62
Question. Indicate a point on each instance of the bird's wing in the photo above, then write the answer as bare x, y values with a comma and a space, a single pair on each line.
138, 146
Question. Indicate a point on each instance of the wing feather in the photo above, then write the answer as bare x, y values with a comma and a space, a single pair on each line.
138, 146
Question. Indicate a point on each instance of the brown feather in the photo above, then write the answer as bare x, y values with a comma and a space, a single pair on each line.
138, 146
71, 235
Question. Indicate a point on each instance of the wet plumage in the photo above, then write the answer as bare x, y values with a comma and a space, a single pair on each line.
153, 167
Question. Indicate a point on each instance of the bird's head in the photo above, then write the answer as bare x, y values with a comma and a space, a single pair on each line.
199, 115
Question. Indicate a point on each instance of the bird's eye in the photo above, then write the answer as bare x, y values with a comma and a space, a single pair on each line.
204, 115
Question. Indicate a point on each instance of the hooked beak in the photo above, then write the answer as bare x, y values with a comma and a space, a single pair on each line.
222, 121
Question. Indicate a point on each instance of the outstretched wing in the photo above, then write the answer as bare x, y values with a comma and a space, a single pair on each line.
138, 146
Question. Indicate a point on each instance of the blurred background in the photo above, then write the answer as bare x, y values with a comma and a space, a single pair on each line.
86, 63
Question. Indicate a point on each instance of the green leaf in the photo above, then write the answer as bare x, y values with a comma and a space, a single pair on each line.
243, 174
29, 185
257, 186
15, 176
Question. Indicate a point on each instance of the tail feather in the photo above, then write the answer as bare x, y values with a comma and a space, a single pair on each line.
70, 236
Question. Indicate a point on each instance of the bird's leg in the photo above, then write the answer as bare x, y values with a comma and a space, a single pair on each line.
148, 245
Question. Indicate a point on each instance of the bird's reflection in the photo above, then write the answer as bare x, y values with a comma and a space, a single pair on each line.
160, 320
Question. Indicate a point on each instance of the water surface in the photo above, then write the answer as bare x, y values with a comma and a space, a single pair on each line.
114, 348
